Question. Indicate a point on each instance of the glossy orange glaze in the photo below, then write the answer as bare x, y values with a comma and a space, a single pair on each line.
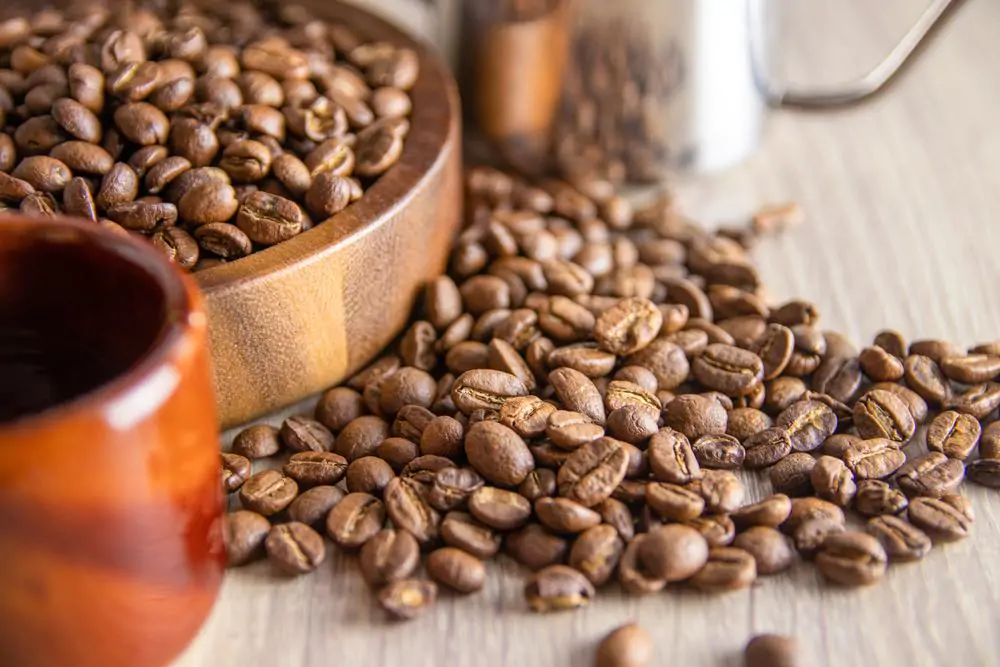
110, 504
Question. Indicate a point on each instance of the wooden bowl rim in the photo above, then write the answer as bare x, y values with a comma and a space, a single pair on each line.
425, 151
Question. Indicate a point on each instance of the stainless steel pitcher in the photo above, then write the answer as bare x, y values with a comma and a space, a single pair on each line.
630, 89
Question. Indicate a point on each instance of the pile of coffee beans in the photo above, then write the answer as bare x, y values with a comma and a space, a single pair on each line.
586, 391
213, 129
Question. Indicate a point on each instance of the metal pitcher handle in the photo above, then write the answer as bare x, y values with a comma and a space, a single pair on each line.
872, 83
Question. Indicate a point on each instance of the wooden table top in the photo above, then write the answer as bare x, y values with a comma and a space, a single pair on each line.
902, 198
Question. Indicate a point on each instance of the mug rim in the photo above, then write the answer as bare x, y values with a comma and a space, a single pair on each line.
182, 309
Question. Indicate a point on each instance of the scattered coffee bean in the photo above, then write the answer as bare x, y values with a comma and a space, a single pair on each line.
456, 569
628, 646
355, 520
901, 540
945, 519
673, 552
294, 548
408, 598
235, 471
558, 588
244, 533
312, 506
268, 492
851, 559
953, 433
770, 549
875, 498
771, 511
772, 651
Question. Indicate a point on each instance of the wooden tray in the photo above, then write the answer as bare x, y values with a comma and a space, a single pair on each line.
296, 318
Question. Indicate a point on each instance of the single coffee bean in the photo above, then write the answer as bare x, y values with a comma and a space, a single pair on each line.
924, 376
833, 481
978, 400
464, 532
945, 519
268, 219
672, 459
880, 414
83, 157
535, 547
408, 598
772, 651
782, 392
417, 346
628, 646
728, 369
727, 569
695, 415
558, 588
361, 437
561, 515
620, 394
498, 453
528, 416
268, 492
717, 529
337, 407
903, 542
499, 508
634, 424
808, 423
355, 520
721, 490
407, 386
180, 247
932, 474
456, 569
412, 420
875, 498
312, 506
874, 459
485, 389
744, 423
314, 468
389, 557
301, 434
633, 575
571, 430
851, 559
953, 434
540, 483
140, 216
244, 533
880, 365
985, 472
792, 475
674, 552
766, 447
502, 356
838, 443
294, 548
425, 468
665, 360
596, 553
408, 508
774, 348
235, 471
916, 404
805, 509
674, 502
257, 442
629, 326
377, 150
592, 472
43, 173
578, 393
770, 549
638, 375
771, 511
839, 377
935, 349
369, 474
452, 487
809, 535
719, 451
616, 514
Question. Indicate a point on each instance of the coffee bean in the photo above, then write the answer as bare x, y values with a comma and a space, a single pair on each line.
674, 552
728, 369
388, 557
369, 474
628, 646
874, 459
902, 541
629, 326
880, 365
792, 475
620, 394
42, 173
313, 468
408, 508
412, 420
774, 348
268, 219
932, 474
674, 502
268, 492
672, 459
985, 472
721, 490
851, 559
916, 404
528, 416
839, 377
838, 443
355, 520
456, 569
978, 400
425, 468
485, 388
665, 360
632, 573
925, 377
805, 509
408, 598
727, 569
719, 451
301, 434
535, 547
593, 471
257, 442
809, 535
808, 423
452, 487
571, 430
499, 508
312, 506
540, 483
361, 437
782, 392
38, 135
771, 511
558, 588
294, 548
235, 471
562, 515
875, 498
772, 651
833, 481
244, 533
596, 553
770, 549
578, 393
880, 414
464, 532
180, 247
498, 453
143, 216
954, 434
766, 447
584, 358
744, 423
695, 415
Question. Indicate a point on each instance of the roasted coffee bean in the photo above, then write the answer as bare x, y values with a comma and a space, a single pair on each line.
833, 481
558, 588
583, 357
673, 502
935, 349
808, 423
722, 490
838, 443
408, 598
442, 436
772, 651
902, 541
119, 186
954, 434
880, 414
592, 472
535, 547
792, 475
916, 404
339, 406
695, 415
770, 549
456, 569
596, 553
268, 492
540, 483
726, 569
485, 388
621, 393
766, 447
875, 498
989, 443
728, 369
628, 646
744, 423
717, 529
498, 453
43, 173
782, 392
578, 393
244, 533
462, 531
180, 247
412, 420
312, 506
294, 548
985, 472
809, 535
924, 376
561, 515
632, 573
528, 416
629, 326
499, 508
571, 430
851, 559
945, 519
408, 508
719, 451
880, 365
361, 437
771, 511
268, 219
804, 509
301, 434
314, 468
634, 424
874, 459
140, 216
452, 487
355, 520
388, 557
257, 442
839, 377
235, 471
672, 459
417, 346
932, 474
665, 360
468, 356
369, 474
407, 386
774, 348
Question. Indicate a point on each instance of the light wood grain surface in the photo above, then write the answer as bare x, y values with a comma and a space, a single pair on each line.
902, 199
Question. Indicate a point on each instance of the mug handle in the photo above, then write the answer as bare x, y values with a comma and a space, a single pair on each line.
867, 86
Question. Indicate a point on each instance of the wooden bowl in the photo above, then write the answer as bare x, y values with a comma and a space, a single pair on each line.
296, 318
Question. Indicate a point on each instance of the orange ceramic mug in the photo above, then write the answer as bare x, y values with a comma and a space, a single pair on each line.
110, 497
